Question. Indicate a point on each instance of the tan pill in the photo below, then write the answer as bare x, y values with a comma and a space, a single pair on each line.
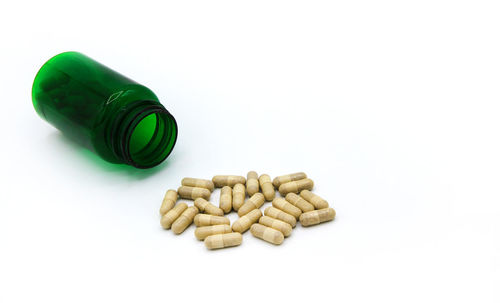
298, 201
280, 215
184, 220
267, 234
194, 182
168, 201
204, 231
206, 220
191, 193
238, 196
267, 187
295, 186
255, 201
226, 199
317, 216
169, 218
283, 227
223, 240
315, 200
243, 224
206, 207
287, 207
252, 183
227, 180
288, 178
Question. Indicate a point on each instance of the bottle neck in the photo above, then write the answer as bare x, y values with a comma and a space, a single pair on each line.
142, 134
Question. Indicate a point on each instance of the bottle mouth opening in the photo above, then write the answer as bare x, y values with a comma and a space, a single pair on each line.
149, 138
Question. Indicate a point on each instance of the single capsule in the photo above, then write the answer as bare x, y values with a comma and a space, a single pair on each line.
238, 196
267, 234
252, 183
243, 224
194, 182
280, 215
255, 201
298, 201
223, 240
191, 193
283, 227
227, 180
287, 207
267, 187
206, 207
315, 200
168, 201
169, 218
288, 178
295, 186
184, 220
317, 216
204, 231
206, 220
226, 199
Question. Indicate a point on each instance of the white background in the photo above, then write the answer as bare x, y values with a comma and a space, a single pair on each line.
390, 106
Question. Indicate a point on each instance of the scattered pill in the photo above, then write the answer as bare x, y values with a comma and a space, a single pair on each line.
194, 182
283, 227
238, 196
204, 231
298, 201
243, 224
295, 186
191, 193
206, 220
226, 199
267, 187
287, 207
288, 178
227, 180
168, 201
206, 207
184, 220
169, 218
267, 234
252, 183
317, 216
280, 215
315, 200
223, 240
255, 201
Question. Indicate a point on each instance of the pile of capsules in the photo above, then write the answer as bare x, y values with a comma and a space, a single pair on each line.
276, 223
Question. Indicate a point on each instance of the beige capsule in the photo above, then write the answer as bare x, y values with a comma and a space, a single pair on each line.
227, 180
168, 201
206, 220
206, 207
267, 234
288, 178
273, 212
255, 201
226, 199
169, 218
267, 187
223, 240
287, 207
317, 216
252, 183
243, 224
238, 196
204, 231
295, 186
283, 227
194, 182
298, 201
184, 220
315, 200
191, 193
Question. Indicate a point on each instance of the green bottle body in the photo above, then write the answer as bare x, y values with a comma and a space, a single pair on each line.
120, 120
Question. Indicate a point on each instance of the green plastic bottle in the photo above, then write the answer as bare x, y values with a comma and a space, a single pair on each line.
117, 118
